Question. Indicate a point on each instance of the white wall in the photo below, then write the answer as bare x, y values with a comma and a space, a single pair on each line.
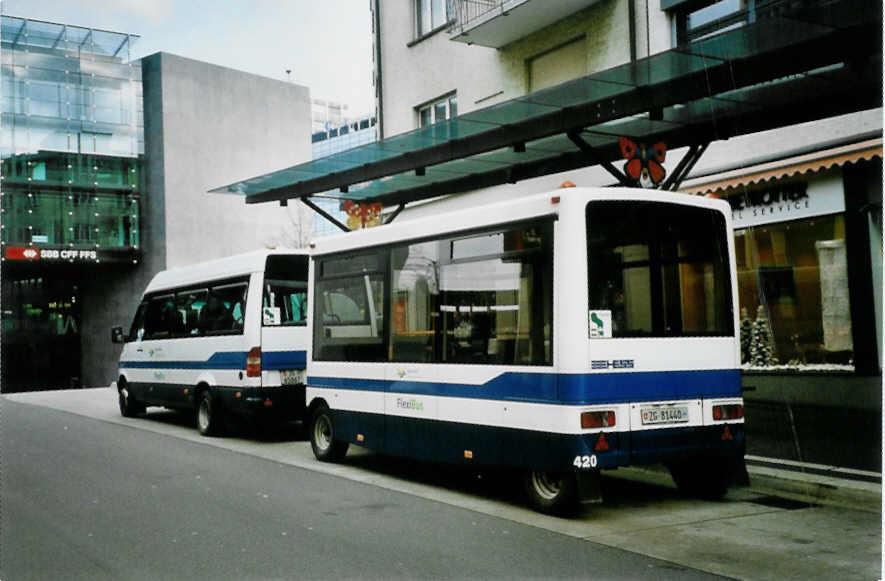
217, 126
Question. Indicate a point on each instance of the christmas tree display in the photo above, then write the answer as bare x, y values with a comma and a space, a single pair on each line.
746, 335
761, 345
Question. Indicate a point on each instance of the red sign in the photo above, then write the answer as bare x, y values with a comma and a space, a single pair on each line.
22, 253
52, 254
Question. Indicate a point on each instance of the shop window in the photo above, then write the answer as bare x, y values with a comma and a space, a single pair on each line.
793, 295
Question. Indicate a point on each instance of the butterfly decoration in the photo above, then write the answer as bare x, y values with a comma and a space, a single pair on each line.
644, 165
362, 215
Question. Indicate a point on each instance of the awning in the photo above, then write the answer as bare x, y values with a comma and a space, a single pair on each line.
749, 79
723, 182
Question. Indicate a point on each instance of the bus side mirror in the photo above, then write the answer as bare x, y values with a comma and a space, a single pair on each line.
117, 334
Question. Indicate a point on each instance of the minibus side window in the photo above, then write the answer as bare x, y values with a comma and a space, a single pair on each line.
189, 304
161, 318
284, 299
285, 302
224, 310
349, 309
136, 331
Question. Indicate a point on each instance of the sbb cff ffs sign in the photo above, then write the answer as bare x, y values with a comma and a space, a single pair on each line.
26, 253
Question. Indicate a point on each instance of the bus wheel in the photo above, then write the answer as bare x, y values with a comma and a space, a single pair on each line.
208, 415
322, 437
129, 407
698, 480
552, 492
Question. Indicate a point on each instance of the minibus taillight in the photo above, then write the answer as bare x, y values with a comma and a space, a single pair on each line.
253, 362
728, 412
603, 419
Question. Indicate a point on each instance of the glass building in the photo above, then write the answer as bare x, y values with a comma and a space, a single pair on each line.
328, 139
72, 147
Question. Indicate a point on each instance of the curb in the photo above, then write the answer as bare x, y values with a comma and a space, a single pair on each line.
794, 485
816, 488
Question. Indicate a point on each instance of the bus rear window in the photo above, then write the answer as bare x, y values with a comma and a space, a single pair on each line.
661, 269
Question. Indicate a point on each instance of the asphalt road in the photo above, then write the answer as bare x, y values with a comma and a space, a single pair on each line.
86, 493
90, 500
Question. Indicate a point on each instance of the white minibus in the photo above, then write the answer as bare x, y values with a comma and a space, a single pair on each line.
218, 337
560, 334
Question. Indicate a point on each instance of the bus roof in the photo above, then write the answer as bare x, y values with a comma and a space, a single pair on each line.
219, 268
523, 208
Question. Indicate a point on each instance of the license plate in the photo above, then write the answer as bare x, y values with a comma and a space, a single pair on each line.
291, 376
664, 414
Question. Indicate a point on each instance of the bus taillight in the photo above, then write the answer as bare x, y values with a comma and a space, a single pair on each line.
604, 419
728, 412
253, 362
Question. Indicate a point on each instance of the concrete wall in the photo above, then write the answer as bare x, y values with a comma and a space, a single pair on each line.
205, 126
220, 126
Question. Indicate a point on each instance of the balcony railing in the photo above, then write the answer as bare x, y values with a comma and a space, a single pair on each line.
468, 11
495, 23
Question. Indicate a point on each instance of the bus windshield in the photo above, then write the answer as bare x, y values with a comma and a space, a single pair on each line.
660, 268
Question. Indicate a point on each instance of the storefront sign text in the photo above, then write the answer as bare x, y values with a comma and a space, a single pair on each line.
789, 201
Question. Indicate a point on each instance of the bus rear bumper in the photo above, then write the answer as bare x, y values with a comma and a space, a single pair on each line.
265, 404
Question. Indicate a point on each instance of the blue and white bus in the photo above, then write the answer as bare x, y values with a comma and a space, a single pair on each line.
562, 334
223, 336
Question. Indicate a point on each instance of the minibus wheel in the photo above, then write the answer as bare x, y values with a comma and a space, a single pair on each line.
208, 414
129, 406
322, 437
552, 492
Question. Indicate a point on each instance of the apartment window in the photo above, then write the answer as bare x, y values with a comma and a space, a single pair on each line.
430, 15
715, 17
439, 110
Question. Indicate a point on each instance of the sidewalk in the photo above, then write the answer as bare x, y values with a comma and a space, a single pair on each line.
770, 477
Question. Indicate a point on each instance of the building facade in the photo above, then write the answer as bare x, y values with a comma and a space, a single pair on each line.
334, 132
106, 167
807, 198
72, 147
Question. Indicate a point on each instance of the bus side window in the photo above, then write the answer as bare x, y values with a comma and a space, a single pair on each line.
288, 301
136, 331
349, 309
189, 304
223, 312
159, 318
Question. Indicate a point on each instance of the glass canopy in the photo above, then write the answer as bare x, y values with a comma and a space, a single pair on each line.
741, 81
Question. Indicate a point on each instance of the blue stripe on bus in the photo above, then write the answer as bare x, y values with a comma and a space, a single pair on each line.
228, 360
283, 359
569, 388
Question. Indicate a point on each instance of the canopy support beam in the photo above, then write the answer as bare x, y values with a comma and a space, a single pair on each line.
686, 164
596, 157
306, 201
395, 213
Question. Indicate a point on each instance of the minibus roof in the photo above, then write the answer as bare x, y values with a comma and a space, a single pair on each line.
217, 269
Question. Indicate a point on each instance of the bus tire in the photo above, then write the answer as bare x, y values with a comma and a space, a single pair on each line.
698, 480
129, 406
553, 493
209, 418
322, 437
